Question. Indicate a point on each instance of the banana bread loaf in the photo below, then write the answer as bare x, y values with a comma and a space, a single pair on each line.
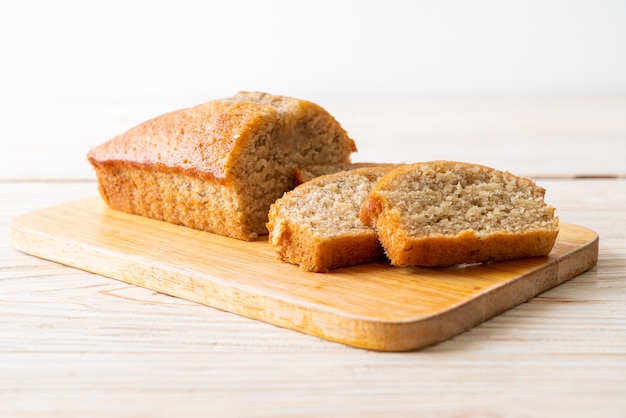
218, 166
444, 213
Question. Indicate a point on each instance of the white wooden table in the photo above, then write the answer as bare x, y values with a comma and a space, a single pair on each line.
75, 344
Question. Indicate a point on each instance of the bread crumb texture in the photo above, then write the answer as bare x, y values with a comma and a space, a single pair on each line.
309, 172
445, 212
317, 226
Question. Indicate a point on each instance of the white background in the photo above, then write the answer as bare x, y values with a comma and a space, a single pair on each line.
193, 51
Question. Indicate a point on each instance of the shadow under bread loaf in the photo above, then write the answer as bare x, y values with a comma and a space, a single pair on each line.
218, 166
443, 213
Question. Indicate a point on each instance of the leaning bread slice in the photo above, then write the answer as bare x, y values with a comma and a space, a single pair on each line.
443, 213
309, 172
316, 225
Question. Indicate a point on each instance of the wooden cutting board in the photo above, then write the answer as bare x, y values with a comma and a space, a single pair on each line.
374, 306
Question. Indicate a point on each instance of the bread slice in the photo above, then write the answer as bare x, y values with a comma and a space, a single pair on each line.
444, 213
316, 225
309, 172
218, 166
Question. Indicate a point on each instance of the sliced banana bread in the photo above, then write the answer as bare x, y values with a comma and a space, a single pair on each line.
443, 213
317, 226
309, 172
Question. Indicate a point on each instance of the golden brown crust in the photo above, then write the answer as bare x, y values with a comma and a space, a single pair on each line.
467, 247
176, 199
198, 141
371, 209
296, 245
